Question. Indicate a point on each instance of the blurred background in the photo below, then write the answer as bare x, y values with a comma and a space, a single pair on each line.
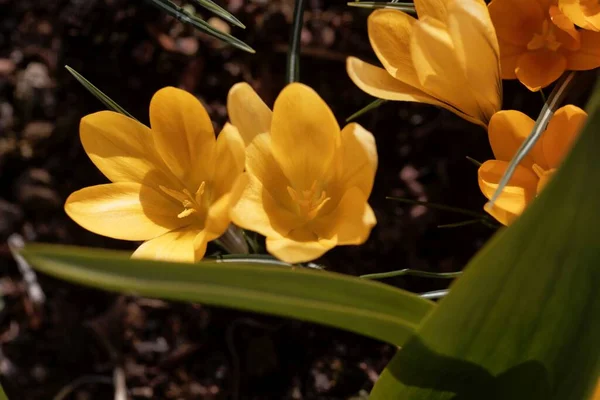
70, 344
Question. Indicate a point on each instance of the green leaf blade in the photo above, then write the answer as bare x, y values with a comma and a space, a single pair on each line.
523, 321
362, 306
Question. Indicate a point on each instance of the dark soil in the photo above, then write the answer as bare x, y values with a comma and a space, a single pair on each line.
167, 350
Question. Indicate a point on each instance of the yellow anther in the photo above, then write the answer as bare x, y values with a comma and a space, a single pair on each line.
191, 204
309, 203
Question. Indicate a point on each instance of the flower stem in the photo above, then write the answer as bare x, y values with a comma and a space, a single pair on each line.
293, 56
233, 241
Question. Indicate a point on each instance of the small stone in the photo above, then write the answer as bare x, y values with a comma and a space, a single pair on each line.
187, 45
38, 130
6, 66
219, 24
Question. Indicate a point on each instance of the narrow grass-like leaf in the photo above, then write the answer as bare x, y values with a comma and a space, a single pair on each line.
293, 56
184, 16
359, 305
371, 106
107, 101
220, 11
413, 272
406, 7
550, 106
522, 323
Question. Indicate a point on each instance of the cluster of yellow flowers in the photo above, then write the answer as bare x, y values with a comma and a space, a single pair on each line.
292, 175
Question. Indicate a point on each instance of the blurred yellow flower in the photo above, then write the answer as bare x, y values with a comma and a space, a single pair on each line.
309, 181
507, 130
583, 13
538, 43
172, 185
448, 58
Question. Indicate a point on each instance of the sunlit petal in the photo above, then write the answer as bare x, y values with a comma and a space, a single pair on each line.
588, 55
177, 246
432, 8
219, 212
299, 246
520, 190
359, 158
561, 132
229, 155
124, 210
304, 135
183, 134
507, 131
248, 112
538, 69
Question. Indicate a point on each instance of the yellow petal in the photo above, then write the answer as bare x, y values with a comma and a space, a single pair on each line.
516, 21
432, 8
359, 158
507, 130
438, 69
261, 164
258, 211
389, 33
229, 158
124, 210
502, 216
248, 112
572, 9
588, 55
378, 83
123, 149
350, 222
538, 69
567, 35
560, 134
219, 212
300, 246
476, 48
176, 246
304, 136
509, 57
519, 192
183, 134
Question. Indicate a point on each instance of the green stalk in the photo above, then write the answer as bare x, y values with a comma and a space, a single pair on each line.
293, 56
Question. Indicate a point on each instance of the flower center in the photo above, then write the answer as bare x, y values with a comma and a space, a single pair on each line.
544, 176
309, 201
544, 39
191, 203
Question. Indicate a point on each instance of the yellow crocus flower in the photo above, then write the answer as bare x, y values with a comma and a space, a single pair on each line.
449, 57
173, 184
309, 180
538, 43
583, 13
507, 130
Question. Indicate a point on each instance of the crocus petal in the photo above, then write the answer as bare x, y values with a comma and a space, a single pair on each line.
538, 69
477, 50
519, 192
509, 57
588, 55
300, 246
378, 83
516, 21
183, 134
350, 222
261, 164
389, 33
572, 9
438, 69
124, 210
248, 112
123, 149
219, 212
560, 134
258, 211
501, 215
359, 158
177, 246
567, 35
432, 8
230, 157
507, 131
304, 135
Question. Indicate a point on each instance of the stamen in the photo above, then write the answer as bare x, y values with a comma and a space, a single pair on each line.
309, 204
191, 204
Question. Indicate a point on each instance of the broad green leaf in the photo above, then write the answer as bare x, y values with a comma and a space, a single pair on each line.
359, 305
186, 17
523, 321
107, 101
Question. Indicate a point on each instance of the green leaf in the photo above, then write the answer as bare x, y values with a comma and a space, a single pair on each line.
292, 73
522, 322
107, 101
219, 11
181, 14
3, 395
371, 106
406, 7
359, 305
